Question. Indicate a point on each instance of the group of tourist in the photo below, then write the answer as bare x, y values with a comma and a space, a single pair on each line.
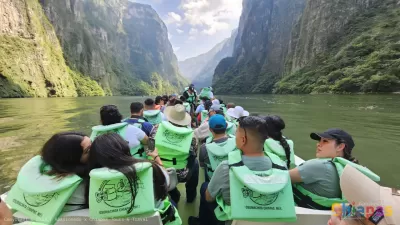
168, 139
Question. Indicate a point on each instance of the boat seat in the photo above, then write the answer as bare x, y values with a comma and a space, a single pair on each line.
81, 217
304, 217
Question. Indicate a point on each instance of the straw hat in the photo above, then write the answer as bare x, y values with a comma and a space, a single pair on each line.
177, 115
237, 112
359, 190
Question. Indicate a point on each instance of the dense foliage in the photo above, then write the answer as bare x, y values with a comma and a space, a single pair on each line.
365, 58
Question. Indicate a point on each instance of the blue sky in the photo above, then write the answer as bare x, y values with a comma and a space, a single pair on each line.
195, 26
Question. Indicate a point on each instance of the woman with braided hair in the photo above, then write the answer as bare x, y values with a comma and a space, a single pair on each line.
276, 143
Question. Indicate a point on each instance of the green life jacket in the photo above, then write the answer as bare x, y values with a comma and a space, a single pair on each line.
169, 214
110, 193
306, 199
187, 106
39, 196
119, 128
173, 144
260, 196
153, 116
204, 115
205, 93
272, 146
218, 152
192, 97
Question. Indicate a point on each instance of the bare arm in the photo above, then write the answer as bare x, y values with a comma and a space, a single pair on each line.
6, 217
295, 176
209, 198
145, 140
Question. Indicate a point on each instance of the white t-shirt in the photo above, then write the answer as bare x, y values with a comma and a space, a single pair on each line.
211, 95
134, 135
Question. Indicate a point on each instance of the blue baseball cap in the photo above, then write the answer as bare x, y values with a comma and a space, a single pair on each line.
217, 122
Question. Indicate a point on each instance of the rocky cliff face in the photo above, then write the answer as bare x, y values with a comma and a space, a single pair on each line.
345, 47
321, 24
122, 45
200, 69
260, 48
31, 60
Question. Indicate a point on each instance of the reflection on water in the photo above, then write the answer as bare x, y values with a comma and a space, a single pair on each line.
374, 122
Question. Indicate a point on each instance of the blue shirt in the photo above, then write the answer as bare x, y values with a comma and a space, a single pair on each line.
200, 108
146, 126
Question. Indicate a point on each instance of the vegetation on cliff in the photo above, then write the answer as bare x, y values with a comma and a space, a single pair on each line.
31, 59
364, 58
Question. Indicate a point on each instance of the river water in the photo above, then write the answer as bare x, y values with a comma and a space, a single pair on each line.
374, 122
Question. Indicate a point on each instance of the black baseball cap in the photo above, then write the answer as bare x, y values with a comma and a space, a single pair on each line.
191, 85
336, 134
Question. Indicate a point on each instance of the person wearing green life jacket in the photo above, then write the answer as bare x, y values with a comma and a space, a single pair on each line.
54, 181
191, 96
111, 122
112, 152
177, 148
213, 153
203, 131
276, 143
237, 112
152, 115
317, 181
250, 137
137, 118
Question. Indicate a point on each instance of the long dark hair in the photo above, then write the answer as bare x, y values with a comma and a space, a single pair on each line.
112, 151
274, 127
63, 152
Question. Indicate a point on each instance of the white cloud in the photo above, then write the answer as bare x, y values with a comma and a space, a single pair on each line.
193, 31
173, 17
169, 36
192, 38
212, 16
176, 48
180, 31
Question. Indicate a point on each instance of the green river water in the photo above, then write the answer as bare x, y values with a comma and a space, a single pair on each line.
373, 121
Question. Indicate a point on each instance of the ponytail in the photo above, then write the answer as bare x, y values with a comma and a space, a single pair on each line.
286, 146
347, 155
274, 126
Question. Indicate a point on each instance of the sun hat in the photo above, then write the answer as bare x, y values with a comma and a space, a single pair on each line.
216, 102
215, 108
237, 112
361, 191
177, 115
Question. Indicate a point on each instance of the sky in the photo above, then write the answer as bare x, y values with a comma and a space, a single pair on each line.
196, 26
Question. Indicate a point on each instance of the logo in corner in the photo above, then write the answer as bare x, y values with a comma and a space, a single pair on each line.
259, 199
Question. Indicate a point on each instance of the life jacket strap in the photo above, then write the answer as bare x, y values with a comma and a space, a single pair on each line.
238, 164
305, 201
140, 152
168, 215
174, 161
279, 167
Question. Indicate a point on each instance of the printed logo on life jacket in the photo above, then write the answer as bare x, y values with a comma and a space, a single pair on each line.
259, 199
39, 200
173, 137
116, 193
